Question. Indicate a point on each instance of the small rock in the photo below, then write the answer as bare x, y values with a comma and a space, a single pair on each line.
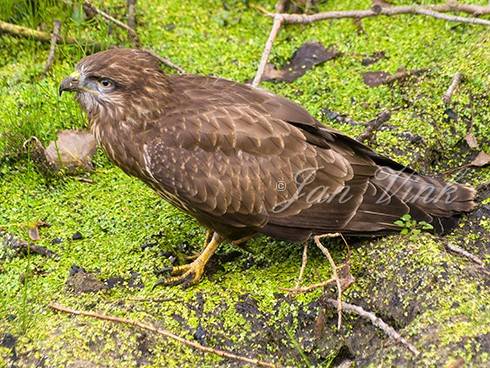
200, 335
77, 236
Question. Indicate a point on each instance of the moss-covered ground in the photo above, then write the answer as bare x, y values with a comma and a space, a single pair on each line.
438, 301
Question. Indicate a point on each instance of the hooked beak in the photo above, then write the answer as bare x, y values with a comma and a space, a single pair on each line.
70, 83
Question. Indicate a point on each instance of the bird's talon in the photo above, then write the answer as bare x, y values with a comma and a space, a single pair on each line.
185, 275
179, 270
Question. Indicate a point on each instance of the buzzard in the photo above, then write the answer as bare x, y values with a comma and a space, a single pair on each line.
244, 161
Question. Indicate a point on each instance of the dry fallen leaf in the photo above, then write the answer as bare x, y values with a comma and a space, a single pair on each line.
34, 231
73, 150
471, 140
373, 79
482, 159
376, 78
305, 58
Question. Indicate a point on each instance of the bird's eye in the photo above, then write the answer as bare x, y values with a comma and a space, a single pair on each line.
106, 83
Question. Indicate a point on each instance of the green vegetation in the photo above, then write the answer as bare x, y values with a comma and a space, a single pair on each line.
433, 298
410, 226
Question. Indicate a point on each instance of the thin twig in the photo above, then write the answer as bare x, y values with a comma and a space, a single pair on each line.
304, 261
166, 61
452, 18
132, 19
55, 36
161, 331
376, 321
452, 88
335, 275
118, 23
278, 19
372, 126
307, 289
458, 250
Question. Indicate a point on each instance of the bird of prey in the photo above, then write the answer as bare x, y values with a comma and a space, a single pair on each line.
244, 161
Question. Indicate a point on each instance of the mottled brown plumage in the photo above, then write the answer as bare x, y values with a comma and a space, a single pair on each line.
243, 161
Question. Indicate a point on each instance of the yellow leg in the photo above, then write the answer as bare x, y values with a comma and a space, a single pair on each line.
209, 236
191, 273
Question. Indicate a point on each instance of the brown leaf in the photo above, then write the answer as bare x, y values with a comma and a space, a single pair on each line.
306, 57
373, 79
482, 159
34, 233
471, 140
376, 78
73, 150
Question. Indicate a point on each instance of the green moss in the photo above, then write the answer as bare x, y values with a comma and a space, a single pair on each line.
116, 214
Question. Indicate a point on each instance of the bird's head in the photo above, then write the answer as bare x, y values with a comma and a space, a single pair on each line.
117, 81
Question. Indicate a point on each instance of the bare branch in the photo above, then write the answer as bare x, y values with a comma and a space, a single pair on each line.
452, 88
376, 321
109, 18
55, 36
161, 331
458, 250
20, 31
132, 19
434, 11
166, 61
278, 19
429, 10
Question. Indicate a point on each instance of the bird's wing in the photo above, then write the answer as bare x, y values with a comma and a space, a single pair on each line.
238, 155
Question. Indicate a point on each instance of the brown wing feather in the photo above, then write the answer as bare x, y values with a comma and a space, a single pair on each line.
230, 154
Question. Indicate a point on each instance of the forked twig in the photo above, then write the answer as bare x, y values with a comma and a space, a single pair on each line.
429, 10
132, 32
376, 321
163, 332
434, 11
